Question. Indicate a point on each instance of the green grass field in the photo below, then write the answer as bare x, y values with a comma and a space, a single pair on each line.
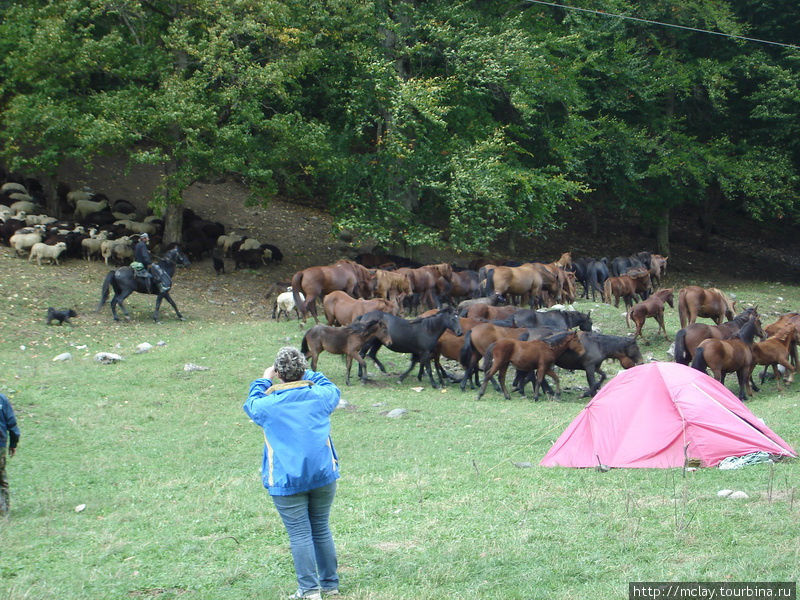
438, 503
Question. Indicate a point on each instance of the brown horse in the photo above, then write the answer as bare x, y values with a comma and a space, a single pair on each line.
652, 307
315, 282
688, 338
423, 281
537, 356
775, 351
343, 309
489, 312
450, 345
636, 281
711, 303
343, 340
734, 355
658, 268
391, 285
525, 281
477, 341
792, 318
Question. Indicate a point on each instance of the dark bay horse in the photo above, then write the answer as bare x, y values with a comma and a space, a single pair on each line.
734, 355
315, 282
555, 319
711, 303
125, 283
417, 337
344, 340
688, 338
627, 287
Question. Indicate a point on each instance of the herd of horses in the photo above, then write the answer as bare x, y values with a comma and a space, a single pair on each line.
493, 328
364, 306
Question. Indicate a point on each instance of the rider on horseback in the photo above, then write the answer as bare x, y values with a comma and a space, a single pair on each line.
146, 269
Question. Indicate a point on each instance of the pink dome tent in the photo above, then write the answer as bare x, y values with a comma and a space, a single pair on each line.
647, 415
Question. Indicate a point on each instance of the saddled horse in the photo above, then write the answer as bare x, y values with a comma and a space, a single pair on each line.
536, 357
124, 282
342, 309
344, 340
711, 303
417, 337
314, 282
688, 338
652, 307
734, 355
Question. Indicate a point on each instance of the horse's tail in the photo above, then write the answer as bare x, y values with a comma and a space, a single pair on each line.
488, 358
105, 290
304, 345
607, 291
466, 350
297, 284
699, 361
681, 353
489, 282
682, 308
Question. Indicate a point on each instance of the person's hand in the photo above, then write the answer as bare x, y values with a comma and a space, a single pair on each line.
270, 372
12, 451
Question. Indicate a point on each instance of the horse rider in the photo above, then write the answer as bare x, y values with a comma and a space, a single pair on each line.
148, 270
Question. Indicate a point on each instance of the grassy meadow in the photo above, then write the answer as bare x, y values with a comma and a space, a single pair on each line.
446, 501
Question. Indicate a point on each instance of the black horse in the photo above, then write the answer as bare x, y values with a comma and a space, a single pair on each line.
597, 347
125, 283
555, 319
596, 275
622, 264
417, 337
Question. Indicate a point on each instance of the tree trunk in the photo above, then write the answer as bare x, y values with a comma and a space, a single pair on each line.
173, 223
50, 197
662, 233
710, 204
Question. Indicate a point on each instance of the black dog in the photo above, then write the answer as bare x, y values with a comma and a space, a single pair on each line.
60, 315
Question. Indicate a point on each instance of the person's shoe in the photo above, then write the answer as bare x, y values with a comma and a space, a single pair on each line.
333, 592
310, 595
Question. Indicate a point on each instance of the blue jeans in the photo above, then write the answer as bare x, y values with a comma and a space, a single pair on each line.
305, 517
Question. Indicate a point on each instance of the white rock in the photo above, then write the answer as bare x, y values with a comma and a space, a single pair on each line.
395, 413
107, 358
80, 508
738, 495
63, 356
161, 343
22, 347
724, 493
144, 347
194, 367
342, 403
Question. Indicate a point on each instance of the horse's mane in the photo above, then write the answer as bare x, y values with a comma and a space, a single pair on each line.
556, 338
616, 343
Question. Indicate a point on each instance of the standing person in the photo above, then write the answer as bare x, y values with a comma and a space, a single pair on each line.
293, 405
8, 428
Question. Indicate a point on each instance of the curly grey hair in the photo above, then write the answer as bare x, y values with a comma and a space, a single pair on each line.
290, 364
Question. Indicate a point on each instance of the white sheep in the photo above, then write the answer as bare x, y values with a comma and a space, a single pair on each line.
284, 303
226, 241
74, 197
137, 227
83, 208
107, 246
91, 245
31, 220
41, 250
11, 187
24, 239
23, 206
251, 244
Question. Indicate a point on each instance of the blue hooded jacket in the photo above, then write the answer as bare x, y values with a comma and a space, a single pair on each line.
298, 450
8, 424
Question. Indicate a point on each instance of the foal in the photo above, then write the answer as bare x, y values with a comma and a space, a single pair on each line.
652, 307
344, 340
775, 351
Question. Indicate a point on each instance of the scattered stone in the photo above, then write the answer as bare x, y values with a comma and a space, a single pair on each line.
194, 367
738, 495
22, 347
342, 403
63, 356
161, 343
144, 347
107, 358
80, 508
396, 413
523, 465
417, 389
377, 404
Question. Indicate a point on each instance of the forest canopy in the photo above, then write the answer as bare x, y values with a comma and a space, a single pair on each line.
422, 122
